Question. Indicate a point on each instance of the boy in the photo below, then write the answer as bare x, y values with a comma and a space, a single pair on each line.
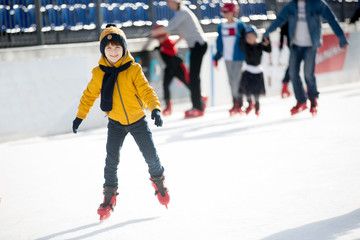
124, 93
227, 46
305, 21
252, 81
174, 66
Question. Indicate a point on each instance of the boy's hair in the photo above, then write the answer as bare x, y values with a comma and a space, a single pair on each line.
112, 34
114, 42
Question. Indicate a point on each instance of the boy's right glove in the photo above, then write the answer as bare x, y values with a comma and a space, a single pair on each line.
76, 124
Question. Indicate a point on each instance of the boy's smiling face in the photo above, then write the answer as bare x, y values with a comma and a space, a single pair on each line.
113, 52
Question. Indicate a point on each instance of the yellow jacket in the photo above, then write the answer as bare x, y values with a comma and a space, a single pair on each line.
132, 93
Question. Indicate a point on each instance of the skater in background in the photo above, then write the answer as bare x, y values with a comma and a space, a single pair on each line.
185, 24
175, 66
284, 33
124, 93
227, 46
252, 80
305, 21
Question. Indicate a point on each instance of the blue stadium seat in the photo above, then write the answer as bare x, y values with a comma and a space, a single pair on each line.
129, 14
80, 15
90, 16
141, 14
10, 20
245, 10
32, 18
19, 18
262, 8
117, 15
2, 18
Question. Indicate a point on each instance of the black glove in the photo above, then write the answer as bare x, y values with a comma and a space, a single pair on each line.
155, 114
76, 124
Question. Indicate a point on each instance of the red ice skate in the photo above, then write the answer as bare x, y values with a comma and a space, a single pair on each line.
168, 110
285, 91
160, 190
313, 107
249, 108
193, 113
236, 109
204, 100
109, 203
298, 108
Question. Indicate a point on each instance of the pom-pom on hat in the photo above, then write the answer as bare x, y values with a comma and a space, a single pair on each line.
111, 32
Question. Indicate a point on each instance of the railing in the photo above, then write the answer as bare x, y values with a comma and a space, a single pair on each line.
63, 21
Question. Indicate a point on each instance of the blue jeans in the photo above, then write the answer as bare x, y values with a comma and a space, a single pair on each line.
143, 137
297, 55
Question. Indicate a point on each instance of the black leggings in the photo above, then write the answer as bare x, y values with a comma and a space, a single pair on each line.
196, 56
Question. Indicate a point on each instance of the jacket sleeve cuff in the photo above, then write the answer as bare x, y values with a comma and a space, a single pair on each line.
81, 115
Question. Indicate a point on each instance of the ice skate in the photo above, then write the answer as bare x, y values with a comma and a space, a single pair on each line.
168, 110
257, 108
237, 108
313, 107
160, 190
285, 91
249, 108
298, 108
109, 203
204, 100
193, 113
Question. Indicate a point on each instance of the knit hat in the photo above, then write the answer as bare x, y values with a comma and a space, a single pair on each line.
230, 7
177, 1
250, 29
111, 32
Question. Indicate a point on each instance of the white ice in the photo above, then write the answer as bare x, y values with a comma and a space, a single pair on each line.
273, 177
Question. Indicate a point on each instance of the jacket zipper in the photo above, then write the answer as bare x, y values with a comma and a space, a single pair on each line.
122, 103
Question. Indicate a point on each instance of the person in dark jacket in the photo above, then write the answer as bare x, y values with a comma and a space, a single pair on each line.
252, 80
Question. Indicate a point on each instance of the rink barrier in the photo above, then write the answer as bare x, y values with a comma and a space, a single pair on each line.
41, 86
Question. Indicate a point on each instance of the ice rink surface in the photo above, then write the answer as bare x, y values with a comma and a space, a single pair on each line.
273, 177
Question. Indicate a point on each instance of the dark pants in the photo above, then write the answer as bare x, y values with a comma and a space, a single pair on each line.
286, 78
196, 56
143, 137
297, 55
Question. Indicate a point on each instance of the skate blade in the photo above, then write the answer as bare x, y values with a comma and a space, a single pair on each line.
104, 217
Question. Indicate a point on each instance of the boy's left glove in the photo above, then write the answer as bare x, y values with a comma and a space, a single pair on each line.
155, 114
76, 124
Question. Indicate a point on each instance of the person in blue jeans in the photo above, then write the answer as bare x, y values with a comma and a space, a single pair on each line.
305, 19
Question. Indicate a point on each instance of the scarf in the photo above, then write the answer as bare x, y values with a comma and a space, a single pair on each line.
108, 85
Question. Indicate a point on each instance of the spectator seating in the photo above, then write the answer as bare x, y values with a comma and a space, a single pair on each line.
73, 15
